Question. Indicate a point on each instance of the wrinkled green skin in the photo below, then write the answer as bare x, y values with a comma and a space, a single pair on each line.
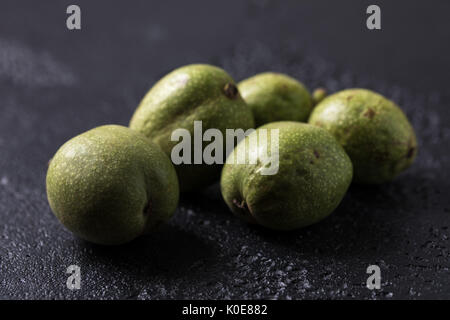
374, 132
276, 97
191, 93
314, 175
111, 184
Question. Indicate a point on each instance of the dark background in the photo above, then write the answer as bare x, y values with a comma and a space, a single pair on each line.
56, 83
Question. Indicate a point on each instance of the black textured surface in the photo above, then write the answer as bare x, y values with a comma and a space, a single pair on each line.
55, 84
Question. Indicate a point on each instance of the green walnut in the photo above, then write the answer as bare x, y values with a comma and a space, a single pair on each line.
276, 97
191, 94
313, 175
318, 95
111, 184
373, 130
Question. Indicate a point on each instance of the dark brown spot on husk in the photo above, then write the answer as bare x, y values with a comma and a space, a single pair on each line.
410, 152
369, 113
245, 211
240, 205
318, 123
316, 154
243, 206
231, 91
147, 209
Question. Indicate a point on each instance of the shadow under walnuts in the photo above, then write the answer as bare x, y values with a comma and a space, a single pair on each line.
367, 223
168, 251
